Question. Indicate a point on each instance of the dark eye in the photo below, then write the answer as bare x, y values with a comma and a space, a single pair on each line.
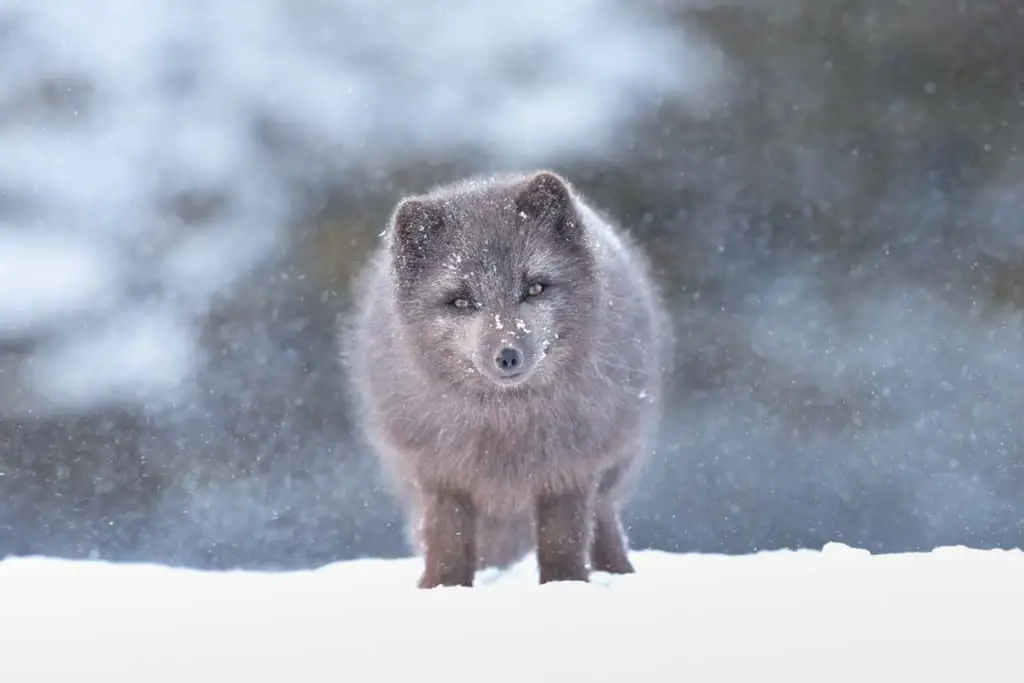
461, 303
534, 289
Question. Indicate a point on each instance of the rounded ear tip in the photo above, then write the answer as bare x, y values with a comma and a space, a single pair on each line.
413, 223
545, 188
409, 206
415, 210
548, 180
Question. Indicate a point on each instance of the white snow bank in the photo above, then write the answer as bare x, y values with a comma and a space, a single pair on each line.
837, 615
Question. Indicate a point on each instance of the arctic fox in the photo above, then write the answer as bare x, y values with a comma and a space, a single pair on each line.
507, 352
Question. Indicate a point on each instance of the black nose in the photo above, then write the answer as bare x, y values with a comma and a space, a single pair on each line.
509, 359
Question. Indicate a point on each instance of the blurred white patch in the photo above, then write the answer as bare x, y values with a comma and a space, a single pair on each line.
138, 357
44, 277
118, 118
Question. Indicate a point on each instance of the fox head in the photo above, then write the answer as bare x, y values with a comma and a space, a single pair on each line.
496, 282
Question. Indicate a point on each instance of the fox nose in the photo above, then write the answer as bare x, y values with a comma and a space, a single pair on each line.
509, 360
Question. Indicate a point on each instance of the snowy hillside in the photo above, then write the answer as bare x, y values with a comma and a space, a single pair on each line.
838, 615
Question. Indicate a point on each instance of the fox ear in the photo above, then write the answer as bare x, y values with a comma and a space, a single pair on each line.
415, 224
545, 195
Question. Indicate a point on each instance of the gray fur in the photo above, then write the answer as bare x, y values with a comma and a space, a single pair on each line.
489, 468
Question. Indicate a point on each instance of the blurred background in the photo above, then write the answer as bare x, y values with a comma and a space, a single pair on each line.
831, 192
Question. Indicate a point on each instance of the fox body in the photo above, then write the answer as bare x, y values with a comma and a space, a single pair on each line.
507, 351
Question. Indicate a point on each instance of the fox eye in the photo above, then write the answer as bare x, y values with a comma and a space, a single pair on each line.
461, 302
535, 289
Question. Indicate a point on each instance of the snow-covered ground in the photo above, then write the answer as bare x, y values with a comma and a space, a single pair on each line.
837, 615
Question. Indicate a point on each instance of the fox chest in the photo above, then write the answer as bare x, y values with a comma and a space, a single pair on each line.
515, 447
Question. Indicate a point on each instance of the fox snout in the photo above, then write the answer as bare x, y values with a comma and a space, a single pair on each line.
506, 362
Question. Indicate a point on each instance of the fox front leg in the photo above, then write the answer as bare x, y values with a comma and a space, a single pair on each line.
449, 539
